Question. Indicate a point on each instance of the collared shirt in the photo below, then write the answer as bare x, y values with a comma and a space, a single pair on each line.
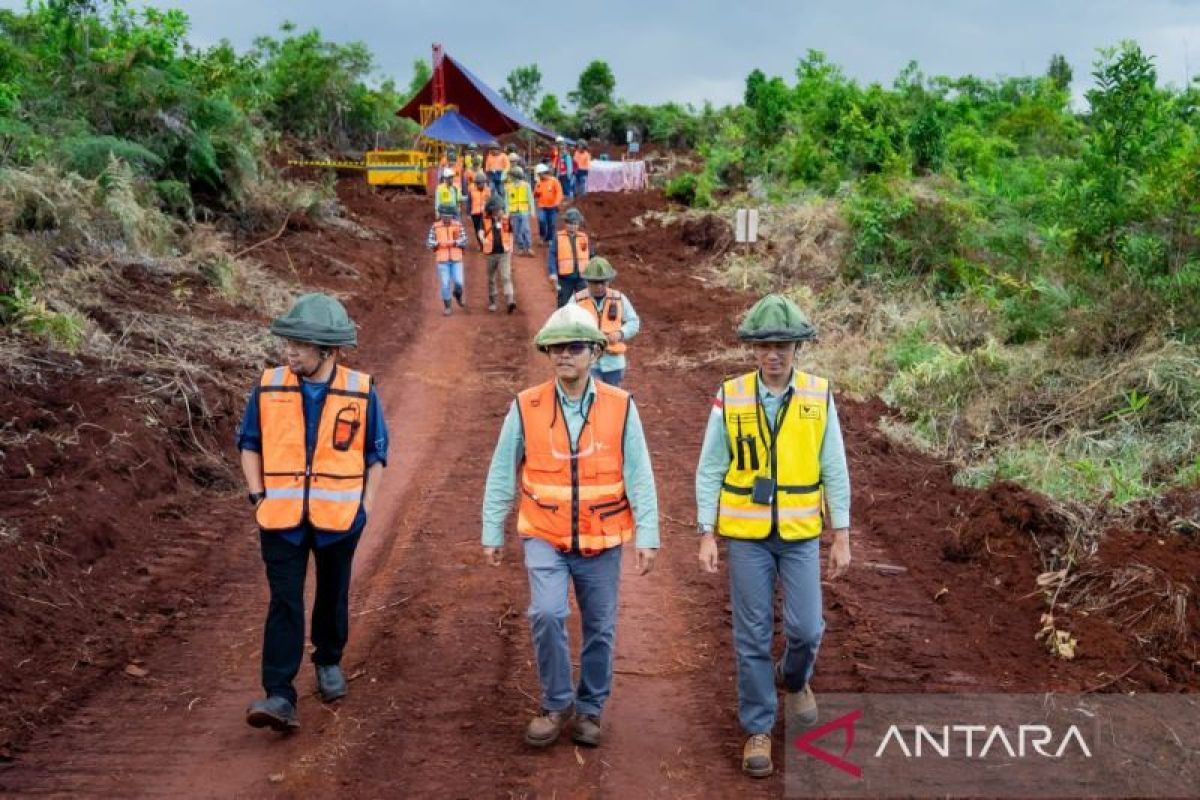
314, 394
510, 453
610, 362
715, 458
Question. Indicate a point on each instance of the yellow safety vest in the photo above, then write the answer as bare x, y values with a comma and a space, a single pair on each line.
518, 197
791, 457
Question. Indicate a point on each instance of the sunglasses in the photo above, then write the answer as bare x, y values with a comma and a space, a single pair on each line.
574, 348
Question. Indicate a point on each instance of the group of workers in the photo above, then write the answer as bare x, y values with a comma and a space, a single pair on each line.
572, 455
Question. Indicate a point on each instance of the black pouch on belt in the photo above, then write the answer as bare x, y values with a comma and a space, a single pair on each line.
763, 491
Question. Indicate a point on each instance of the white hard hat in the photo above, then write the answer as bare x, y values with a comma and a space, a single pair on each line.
447, 173
559, 139
541, 169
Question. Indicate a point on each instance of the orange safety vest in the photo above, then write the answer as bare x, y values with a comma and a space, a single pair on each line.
548, 192
610, 316
479, 197
506, 234
328, 491
496, 163
447, 239
583, 160
574, 497
571, 261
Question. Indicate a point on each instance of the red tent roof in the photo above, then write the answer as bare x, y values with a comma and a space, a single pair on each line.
475, 100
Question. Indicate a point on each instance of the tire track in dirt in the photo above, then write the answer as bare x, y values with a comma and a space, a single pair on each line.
163, 736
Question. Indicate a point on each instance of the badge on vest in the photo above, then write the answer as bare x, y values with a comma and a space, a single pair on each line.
809, 411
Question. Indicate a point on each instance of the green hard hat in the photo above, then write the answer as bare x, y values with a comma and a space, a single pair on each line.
776, 319
318, 319
481, 177
573, 216
569, 324
598, 269
494, 204
517, 172
447, 210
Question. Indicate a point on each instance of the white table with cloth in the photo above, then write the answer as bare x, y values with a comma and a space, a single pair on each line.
617, 176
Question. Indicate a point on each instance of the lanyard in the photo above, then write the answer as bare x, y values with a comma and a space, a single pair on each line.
760, 413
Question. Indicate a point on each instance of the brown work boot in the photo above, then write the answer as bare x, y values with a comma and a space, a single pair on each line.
802, 706
586, 730
756, 756
543, 730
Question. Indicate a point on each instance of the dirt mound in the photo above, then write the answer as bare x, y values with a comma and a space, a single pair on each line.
709, 234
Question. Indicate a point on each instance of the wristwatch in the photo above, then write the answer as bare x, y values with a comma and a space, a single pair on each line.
256, 497
703, 529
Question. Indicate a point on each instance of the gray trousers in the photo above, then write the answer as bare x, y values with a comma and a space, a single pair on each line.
500, 265
754, 566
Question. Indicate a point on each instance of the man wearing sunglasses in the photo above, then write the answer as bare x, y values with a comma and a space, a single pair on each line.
573, 453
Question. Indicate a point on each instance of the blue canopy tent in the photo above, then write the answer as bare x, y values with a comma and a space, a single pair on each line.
454, 128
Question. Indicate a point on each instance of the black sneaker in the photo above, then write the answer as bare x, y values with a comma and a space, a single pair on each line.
458, 296
512, 307
275, 712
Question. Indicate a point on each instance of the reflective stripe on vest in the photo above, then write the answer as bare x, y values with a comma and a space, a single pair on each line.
610, 316
574, 497
571, 261
328, 492
793, 461
447, 238
506, 235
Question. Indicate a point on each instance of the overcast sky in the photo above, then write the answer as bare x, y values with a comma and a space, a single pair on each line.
693, 50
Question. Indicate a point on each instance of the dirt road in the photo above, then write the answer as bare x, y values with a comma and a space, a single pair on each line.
440, 660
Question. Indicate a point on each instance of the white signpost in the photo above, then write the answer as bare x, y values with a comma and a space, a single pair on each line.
746, 225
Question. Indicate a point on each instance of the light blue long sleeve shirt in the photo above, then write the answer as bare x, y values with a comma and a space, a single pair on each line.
637, 473
715, 458
610, 362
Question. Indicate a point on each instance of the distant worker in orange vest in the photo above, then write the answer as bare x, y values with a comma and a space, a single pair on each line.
573, 454
614, 315
313, 443
548, 195
479, 194
497, 166
498, 249
448, 240
583, 163
570, 251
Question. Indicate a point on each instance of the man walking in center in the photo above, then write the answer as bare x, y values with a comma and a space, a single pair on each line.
520, 206
313, 442
613, 314
498, 245
772, 458
570, 251
576, 450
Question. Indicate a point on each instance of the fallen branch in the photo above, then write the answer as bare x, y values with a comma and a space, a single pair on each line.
1112, 680
268, 240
